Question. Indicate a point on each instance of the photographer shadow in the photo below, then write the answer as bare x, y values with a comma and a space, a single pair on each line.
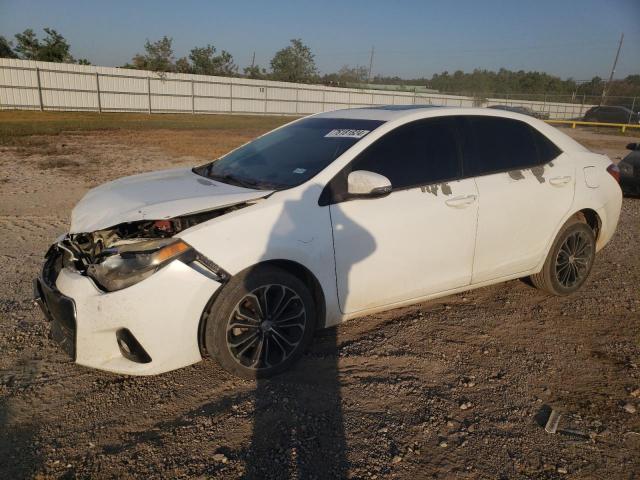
298, 425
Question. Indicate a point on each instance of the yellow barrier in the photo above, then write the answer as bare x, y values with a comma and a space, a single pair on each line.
573, 123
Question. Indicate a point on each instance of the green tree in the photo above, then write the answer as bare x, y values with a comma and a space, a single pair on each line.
53, 48
158, 56
6, 48
256, 72
28, 45
358, 74
294, 63
347, 75
183, 65
205, 61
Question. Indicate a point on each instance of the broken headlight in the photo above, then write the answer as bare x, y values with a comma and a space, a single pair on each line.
128, 264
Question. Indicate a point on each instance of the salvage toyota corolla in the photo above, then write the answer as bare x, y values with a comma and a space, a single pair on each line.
330, 217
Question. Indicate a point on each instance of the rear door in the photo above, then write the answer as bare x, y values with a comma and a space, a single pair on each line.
417, 240
525, 187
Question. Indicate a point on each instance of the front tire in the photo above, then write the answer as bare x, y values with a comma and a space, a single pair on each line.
569, 261
261, 322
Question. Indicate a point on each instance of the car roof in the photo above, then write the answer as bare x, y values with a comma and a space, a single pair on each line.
387, 113
379, 112
399, 114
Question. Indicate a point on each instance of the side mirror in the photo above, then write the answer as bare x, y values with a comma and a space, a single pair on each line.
633, 146
362, 183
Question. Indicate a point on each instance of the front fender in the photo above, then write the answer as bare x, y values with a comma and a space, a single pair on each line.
289, 225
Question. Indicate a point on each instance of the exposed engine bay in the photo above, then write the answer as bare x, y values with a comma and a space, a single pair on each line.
89, 248
126, 253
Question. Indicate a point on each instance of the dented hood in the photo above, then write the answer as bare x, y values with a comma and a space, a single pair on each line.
154, 196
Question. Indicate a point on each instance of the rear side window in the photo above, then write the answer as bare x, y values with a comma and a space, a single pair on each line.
500, 144
420, 153
547, 150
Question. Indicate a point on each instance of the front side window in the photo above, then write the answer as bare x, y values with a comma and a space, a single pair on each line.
289, 156
420, 153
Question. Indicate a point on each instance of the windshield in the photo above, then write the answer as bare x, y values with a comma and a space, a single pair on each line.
289, 156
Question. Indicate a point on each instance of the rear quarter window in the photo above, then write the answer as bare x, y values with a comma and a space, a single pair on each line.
547, 150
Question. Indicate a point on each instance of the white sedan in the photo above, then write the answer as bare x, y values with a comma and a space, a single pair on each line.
330, 217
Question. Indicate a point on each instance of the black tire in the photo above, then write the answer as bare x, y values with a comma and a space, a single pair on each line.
241, 328
569, 261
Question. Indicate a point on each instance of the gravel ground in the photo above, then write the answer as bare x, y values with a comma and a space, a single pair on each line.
454, 388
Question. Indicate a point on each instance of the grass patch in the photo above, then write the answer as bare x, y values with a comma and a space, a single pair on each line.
15, 124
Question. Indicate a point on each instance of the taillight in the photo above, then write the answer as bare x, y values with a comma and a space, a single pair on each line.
614, 171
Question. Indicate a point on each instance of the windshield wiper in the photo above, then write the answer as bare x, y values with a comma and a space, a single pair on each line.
241, 182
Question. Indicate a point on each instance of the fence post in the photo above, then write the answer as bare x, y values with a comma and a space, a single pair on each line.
230, 97
297, 92
544, 102
193, 99
323, 99
98, 92
633, 105
414, 97
39, 89
265, 98
349, 99
149, 92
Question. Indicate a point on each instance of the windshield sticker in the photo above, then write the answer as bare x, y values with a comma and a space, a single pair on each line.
300, 170
346, 133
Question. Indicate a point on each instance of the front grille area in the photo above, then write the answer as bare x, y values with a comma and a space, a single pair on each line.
59, 309
65, 337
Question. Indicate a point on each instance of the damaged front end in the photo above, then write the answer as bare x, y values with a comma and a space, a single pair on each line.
127, 253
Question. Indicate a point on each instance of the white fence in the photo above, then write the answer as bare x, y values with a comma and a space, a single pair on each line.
31, 85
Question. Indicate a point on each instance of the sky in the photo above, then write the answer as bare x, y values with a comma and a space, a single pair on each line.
411, 38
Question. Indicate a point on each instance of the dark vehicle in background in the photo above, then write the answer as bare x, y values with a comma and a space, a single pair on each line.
630, 170
522, 110
611, 114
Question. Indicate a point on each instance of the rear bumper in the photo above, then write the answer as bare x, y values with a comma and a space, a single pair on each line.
162, 314
609, 215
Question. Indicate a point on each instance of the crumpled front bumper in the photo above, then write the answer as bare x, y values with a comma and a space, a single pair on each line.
162, 313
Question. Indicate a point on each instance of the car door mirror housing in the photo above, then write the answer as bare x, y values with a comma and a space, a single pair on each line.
633, 146
363, 183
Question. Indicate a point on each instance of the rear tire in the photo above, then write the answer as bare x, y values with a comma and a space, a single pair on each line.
569, 261
261, 322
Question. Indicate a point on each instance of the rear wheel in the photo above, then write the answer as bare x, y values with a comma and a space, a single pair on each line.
570, 260
261, 323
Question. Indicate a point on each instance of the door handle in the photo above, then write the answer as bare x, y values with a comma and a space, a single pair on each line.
461, 202
559, 181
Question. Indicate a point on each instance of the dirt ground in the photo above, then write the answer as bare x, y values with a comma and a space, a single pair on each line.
450, 389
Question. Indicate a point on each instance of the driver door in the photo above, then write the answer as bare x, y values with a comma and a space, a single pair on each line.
419, 239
